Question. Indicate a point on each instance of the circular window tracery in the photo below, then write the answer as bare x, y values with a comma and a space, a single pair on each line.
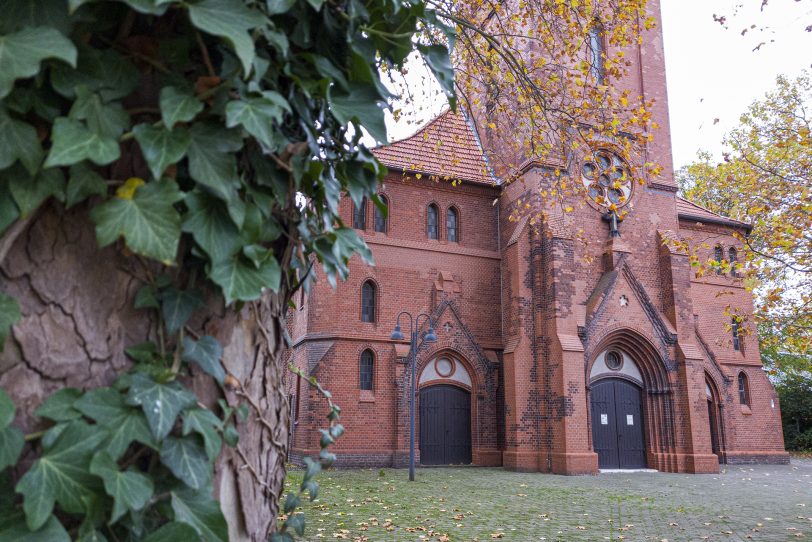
607, 179
444, 367
613, 360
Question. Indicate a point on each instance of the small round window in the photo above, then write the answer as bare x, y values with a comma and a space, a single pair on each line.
613, 360
444, 367
607, 179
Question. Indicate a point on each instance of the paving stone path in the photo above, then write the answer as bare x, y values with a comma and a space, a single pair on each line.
762, 503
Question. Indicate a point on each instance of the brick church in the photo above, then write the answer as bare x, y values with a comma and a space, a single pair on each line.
552, 354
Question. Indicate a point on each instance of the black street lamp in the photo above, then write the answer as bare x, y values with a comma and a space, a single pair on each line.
430, 337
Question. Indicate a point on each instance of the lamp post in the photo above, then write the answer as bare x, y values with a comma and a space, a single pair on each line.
397, 335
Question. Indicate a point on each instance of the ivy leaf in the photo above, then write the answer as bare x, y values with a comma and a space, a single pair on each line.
257, 116
243, 281
9, 315
145, 218
201, 511
59, 406
83, 183
360, 103
178, 105
172, 532
279, 6
14, 528
73, 143
107, 120
206, 353
61, 475
177, 307
130, 490
161, 403
208, 222
11, 445
124, 423
161, 147
229, 19
210, 163
187, 460
22, 52
7, 409
29, 192
19, 141
203, 422
9, 212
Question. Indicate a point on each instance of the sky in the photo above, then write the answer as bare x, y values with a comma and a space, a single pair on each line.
712, 71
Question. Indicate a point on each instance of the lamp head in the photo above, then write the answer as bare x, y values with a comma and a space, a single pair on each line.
430, 336
397, 335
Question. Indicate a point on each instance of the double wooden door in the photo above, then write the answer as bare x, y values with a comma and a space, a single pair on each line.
617, 425
445, 426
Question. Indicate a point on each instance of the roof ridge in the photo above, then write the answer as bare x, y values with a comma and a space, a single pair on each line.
703, 208
418, 131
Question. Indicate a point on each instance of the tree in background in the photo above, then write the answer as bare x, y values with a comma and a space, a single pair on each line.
795, 392
766, 180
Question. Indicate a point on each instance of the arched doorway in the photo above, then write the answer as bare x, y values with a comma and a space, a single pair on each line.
445, 412
445, 425
714, 419
617, 412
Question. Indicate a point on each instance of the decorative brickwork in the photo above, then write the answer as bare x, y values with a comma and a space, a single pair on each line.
527, 309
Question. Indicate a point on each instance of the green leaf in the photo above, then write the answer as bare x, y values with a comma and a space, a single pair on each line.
243, 281
106, 120
19, 141
178, 105
360, 103
147, 221
279, 6
7, 409
146, 298
208, 222
229, 19
9, 212
9, 315
210, 163
438, 60
201, 511
206, 424
100, 70
83, 183
172, 532
161, 403
11, 445
187, 460
125, 424
161, 147
257, 116
29, 192
206, 353
130, 490
13, 528
297, 523
59, 406
22, 52
177, 307
18, 14
144, 352
61, 475
73, 142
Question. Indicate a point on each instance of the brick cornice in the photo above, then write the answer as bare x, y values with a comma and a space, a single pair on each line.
445, 248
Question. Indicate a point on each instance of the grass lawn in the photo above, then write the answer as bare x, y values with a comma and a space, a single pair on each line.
451, 504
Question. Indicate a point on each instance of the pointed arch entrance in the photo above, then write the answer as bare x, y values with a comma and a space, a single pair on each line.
717, 434
631, 408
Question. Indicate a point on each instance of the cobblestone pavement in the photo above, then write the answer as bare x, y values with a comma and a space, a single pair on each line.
742, 503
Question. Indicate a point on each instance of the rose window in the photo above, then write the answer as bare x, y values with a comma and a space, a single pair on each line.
607, 179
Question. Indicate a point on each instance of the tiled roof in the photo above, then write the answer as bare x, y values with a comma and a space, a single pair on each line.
690, 210
446, 147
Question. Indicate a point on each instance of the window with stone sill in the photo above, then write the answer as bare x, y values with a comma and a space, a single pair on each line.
366, 371
432, 222
380, 219
359, 215
744, 390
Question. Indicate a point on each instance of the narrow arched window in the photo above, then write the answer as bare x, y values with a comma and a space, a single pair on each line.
366, 369
734, 329
359, 216
380, 217
718, 256
744, 391
732, 256
368, 302
597, 52
432, 222
452, 230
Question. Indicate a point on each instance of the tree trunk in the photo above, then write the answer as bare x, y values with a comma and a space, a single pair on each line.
77, 319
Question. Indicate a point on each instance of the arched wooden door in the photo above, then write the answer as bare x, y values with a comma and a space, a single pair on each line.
617, 425
445, 425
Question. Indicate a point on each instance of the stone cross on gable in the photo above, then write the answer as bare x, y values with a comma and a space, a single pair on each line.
447, 327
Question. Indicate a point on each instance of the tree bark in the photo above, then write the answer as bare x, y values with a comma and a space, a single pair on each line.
77, 319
